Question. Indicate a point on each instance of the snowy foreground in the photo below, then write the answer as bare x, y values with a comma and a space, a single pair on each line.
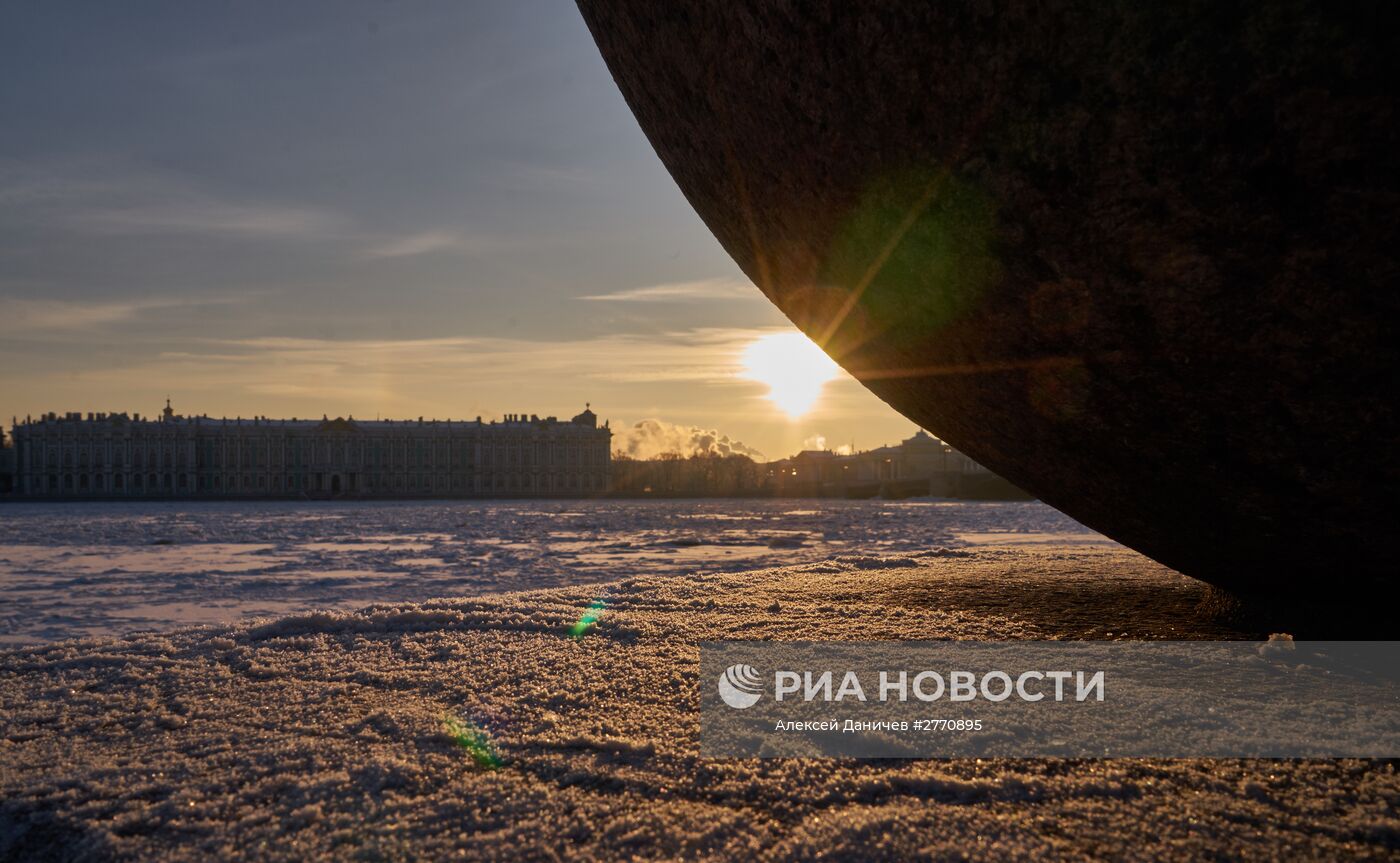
561, 724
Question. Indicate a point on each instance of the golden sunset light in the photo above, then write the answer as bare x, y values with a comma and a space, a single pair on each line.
793, 367
736, 431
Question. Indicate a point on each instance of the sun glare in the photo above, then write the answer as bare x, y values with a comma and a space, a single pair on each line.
792, 366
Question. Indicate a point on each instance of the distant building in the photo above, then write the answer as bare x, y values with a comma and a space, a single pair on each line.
920, 465
121, 456
7, 464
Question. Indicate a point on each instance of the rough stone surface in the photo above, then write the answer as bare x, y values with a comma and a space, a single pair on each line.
1138, 258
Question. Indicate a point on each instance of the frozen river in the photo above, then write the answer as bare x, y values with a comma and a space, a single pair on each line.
85, 569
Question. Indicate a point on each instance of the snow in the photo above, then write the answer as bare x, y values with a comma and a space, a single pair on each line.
71, 570
561, 721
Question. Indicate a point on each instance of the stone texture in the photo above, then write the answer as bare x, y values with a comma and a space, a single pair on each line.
1137, 258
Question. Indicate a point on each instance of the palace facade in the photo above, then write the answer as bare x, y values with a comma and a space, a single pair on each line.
119, 456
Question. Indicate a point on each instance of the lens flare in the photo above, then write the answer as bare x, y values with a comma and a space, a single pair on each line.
793, 367
474, 740
589, 618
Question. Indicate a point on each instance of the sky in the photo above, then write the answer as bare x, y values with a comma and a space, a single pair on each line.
394, 209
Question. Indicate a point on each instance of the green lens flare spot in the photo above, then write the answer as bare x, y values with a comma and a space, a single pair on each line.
474, 740
917, 251
588, 620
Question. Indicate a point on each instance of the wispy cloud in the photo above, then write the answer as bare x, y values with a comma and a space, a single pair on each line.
421, 243
212, 218
523, 174
111, 198
414, 244
699, 356
365, 375
704, 289
106, 199
28, 316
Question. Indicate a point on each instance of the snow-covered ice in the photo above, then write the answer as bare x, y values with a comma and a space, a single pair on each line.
69, 570
518, 680
498, 727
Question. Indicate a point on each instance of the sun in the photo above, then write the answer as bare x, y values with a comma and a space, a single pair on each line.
792, 366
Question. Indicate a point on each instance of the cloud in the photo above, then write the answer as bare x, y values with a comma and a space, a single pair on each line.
415, 244
111, 198
452, 376
653, 437
705, 289
209, 218
700, 356
106, 197
27, 316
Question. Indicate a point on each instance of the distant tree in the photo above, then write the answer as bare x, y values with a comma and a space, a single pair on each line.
702, 475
